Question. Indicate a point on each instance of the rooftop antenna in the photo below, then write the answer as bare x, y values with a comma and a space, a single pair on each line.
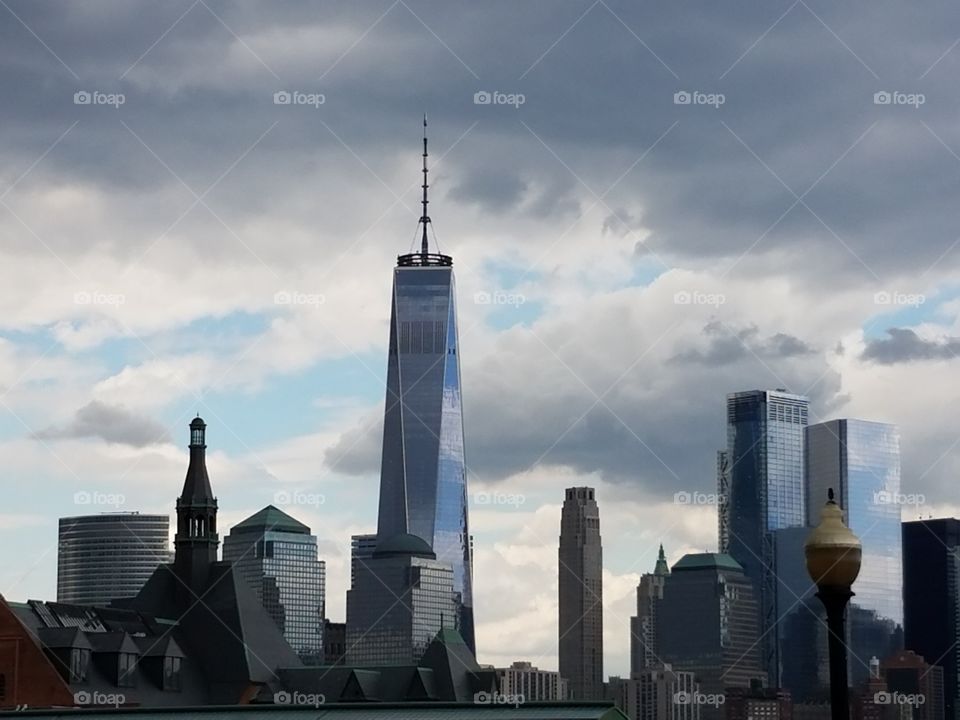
424, 219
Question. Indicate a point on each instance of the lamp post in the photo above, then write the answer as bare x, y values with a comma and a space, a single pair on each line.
833, 561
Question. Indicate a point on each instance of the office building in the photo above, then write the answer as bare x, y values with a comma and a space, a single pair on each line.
361, 550
931, 599
277, 556
909, 676
658, 692
766, 490
707, 625
643, 626
723, 502
757, 703
109, 556
860, 460
423, 484
522, 678
581, 595
401, 598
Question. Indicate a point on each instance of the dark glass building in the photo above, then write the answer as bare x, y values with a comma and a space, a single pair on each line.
277, 556
581, 595
766, 490
110, 556
860, 460
931, 599
423, 484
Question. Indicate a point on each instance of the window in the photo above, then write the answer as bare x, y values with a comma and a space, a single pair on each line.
3, 686
79, 661
126, 668
171, 673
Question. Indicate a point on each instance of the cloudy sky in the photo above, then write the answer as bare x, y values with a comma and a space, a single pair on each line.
662, 203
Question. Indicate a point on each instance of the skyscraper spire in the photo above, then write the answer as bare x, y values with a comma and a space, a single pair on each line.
425, 218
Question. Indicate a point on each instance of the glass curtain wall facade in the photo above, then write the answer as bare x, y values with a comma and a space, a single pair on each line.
860, 460
765, 435
423, 485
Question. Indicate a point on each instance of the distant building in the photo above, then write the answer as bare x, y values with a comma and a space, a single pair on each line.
361, 550
860, 460
581, 595
757, 703
401, 598
723, 502
659, 692
707, 625
522, 678
109, 556
277, 556
334, 643
765, 435
908, 676
931, 599
643, 626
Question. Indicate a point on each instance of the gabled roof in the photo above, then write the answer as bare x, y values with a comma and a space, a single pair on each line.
166, 646
113, 642
67, 637
271, 518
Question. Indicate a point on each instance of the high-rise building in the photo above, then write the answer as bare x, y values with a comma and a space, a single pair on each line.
659, 692
723, 502
911, 677
423, 484
361, 550
581, 595
277, 556
401, 598
707, 625
931, 599
334, 643
110, 556
534, 684
766, 482
860, 460
643, 626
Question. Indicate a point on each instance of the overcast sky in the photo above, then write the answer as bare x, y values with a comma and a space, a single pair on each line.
648, 206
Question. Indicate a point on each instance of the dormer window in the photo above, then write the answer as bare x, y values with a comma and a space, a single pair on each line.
126, 670
171, 673
79, 662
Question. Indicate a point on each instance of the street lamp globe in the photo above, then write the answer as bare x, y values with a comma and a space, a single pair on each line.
832, 551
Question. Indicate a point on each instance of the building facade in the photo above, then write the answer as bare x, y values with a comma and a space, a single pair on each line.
919, 683
581, 595
423, 483
109, 556
643, 626
758, 703
401, 598
522, 678
707, 625
277, 556
931, 599
723, 502
659, 692
860, 460
765, 436
361, 550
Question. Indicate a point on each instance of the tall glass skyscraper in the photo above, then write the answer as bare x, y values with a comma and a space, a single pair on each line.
860, 460
766, 483
423, 483
277, 556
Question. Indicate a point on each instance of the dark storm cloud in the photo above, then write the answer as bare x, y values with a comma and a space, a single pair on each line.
903, 345
110, 423
727, 344
492, 188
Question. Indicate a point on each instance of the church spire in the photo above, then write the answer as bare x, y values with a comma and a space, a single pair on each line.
196, 540
424, 218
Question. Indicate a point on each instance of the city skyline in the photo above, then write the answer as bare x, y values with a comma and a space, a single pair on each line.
629, 249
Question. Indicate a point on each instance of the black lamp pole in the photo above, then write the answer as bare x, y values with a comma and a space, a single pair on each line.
835, 601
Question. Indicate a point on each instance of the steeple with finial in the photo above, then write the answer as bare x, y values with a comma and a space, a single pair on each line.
196, 540
661, 567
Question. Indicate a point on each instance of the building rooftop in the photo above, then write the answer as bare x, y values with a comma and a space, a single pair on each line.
271, 518
703, 561
404, 544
